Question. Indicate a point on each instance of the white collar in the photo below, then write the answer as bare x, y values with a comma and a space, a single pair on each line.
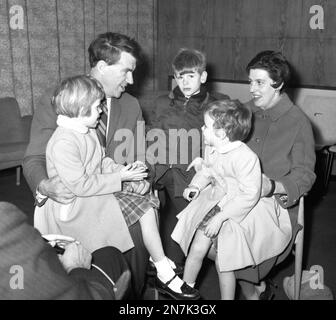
71, 123
227, 147
108, 103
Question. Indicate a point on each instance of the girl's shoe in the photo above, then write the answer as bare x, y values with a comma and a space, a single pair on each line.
151, 270
187, 292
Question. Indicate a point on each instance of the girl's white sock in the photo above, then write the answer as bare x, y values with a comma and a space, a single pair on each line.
171, 262
191, 284
165, 273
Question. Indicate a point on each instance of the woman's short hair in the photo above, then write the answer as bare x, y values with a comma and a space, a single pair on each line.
189, 59
274, 63
109, 46
232, 116
75, 96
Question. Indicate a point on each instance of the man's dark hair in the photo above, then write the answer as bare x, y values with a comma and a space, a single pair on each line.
109, 46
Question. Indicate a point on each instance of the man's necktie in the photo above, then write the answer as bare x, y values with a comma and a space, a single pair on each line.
102, 125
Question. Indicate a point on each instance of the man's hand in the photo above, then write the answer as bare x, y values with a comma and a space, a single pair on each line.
141, 187
54, 189
75, 256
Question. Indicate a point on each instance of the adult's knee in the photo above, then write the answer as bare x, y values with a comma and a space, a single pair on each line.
107, 251
110, 255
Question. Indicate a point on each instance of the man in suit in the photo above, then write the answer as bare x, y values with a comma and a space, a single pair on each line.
113, 58
30, 268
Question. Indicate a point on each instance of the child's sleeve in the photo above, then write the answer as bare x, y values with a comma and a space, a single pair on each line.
110, 166
201, 179
248, 173
203, 176
65, 156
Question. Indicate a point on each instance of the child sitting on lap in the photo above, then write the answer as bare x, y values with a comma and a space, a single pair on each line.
226, 217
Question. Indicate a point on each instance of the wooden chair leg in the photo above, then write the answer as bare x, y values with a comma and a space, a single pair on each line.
329, 163
299, 252
298, 267
156, 294
18, 175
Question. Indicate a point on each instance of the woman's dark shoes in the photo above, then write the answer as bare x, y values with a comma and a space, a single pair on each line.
151, 270
187, 292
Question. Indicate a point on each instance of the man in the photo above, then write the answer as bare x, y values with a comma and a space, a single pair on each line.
112, 59
30, 268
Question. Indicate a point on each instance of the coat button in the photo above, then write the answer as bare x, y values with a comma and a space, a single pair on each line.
257, 140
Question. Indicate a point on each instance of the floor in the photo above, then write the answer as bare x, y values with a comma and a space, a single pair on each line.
319, 248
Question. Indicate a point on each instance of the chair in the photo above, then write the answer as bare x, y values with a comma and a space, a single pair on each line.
299, 251
14, 135
321, 110
329, 165
156, 292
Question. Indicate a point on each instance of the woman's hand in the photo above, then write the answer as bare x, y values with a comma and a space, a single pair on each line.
266, 187
133, 172
214, 225
191, 193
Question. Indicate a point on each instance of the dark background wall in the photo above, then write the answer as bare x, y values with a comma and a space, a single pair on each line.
231, 32
53, 42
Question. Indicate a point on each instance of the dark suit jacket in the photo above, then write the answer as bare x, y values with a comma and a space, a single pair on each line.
23, 252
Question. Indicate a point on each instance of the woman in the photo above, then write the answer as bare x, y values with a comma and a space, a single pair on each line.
282, 138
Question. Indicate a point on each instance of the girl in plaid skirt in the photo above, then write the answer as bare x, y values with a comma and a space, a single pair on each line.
105, 204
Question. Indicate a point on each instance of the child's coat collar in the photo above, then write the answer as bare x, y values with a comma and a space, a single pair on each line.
71, 123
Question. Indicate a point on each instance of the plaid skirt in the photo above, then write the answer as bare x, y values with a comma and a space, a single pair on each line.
134, 206
208, 217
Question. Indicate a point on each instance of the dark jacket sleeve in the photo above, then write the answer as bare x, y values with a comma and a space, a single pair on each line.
43, 126
30, 268
301, 177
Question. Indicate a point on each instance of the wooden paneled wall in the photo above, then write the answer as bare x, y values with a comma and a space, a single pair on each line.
231, 32
55, 35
